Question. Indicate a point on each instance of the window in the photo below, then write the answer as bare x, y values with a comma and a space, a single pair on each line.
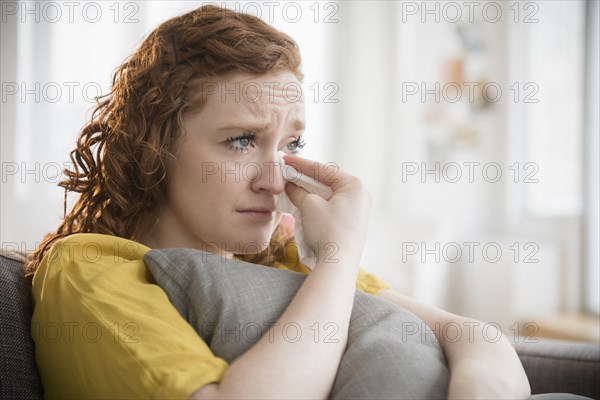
547, 83
592, 178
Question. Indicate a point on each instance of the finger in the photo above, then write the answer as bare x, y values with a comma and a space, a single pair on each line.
296, 194
330, 174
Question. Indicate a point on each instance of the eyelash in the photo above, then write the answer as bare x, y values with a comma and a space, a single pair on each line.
246, 135
299, 142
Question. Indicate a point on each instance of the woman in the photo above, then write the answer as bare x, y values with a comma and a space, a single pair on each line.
162, 164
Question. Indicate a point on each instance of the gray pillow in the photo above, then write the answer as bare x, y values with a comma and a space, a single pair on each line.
390, 352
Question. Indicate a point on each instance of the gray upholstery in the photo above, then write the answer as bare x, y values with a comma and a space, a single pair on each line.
552, 366
557, 396
19, 378
561, 366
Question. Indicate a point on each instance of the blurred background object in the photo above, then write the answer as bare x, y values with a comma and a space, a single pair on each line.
473, 124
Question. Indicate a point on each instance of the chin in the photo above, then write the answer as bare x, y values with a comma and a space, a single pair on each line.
250, 245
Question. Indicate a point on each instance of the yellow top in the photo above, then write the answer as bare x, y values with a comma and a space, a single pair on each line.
104, 329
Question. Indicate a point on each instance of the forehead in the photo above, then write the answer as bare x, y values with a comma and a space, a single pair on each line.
258, 95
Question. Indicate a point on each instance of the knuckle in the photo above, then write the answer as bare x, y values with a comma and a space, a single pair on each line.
354, 180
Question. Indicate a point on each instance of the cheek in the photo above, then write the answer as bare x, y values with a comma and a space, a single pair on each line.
228, 178
209, 185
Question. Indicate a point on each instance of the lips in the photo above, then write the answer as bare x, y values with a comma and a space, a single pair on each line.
258, 214
258, 210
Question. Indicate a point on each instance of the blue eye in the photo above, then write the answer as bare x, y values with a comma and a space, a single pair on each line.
244, 141
295, 146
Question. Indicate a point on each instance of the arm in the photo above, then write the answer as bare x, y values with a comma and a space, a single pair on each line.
276, 367
479, 367
283, 369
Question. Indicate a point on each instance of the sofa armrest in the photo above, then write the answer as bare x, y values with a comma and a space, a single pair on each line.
19, 378
561, 366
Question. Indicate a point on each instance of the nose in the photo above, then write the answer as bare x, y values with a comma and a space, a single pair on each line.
267, 175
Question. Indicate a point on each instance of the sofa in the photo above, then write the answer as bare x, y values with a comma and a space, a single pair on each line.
552, 366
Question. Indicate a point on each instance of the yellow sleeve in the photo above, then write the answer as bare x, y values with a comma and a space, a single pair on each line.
103, 329
369, 283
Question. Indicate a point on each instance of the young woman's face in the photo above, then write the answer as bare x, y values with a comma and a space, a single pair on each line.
226, 179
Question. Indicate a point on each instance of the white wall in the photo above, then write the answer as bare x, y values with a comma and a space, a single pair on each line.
383, 130
369, 53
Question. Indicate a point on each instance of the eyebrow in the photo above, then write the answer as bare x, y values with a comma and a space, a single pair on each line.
297, 124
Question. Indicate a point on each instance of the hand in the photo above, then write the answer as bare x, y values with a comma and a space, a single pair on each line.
342, 220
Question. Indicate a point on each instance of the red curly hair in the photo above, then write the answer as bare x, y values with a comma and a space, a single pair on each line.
123, 154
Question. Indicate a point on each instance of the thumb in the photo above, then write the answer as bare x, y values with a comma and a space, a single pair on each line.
295, 193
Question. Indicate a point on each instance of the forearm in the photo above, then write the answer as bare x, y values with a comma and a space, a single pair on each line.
482, 363
306, 366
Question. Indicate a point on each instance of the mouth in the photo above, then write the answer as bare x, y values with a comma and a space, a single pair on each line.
258, 213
